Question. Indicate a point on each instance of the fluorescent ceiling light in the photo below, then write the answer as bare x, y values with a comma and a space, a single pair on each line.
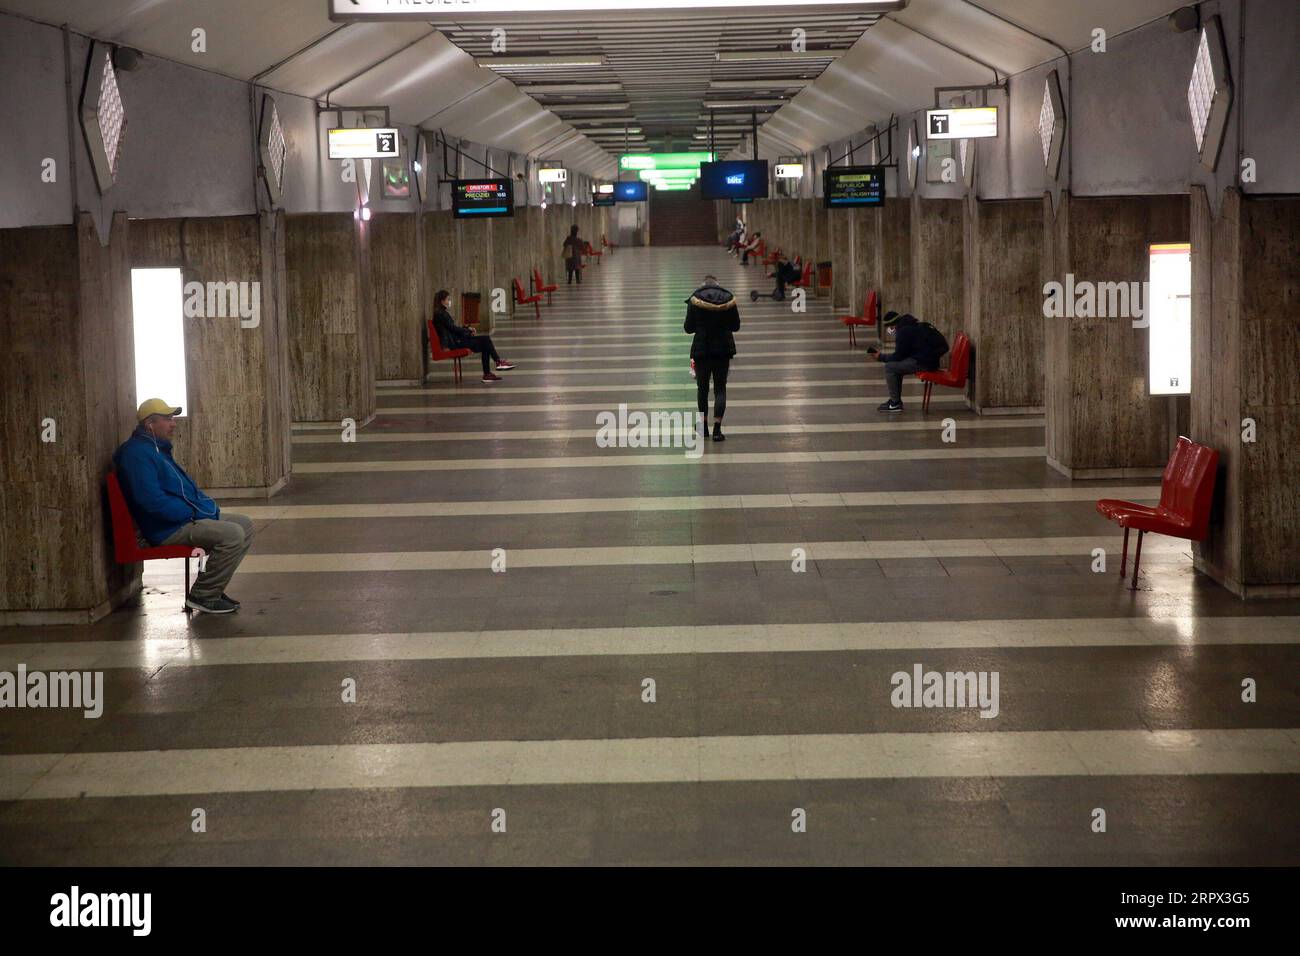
383, 9
775, 84
584, 107
740, 104
533, 62
739, 56
547, 88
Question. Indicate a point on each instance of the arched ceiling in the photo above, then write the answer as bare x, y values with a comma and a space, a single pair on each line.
655, 73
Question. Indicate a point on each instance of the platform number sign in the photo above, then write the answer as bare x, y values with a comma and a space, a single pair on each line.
364, 143
938, 124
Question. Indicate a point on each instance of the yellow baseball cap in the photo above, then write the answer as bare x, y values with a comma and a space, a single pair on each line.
154, 406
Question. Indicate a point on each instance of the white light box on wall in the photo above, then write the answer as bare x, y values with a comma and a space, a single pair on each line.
1169, 312
103, 116
272, 149
1051, 124
1209, 93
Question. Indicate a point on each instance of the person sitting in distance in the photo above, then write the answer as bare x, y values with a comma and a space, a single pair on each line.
751, 246
453, 336
918, 346
169, 508
786, 272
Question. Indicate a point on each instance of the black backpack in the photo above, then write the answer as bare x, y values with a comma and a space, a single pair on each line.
935, 344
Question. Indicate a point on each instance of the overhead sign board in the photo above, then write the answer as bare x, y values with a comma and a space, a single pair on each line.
364, 143
789, 170
974, 122
552, 174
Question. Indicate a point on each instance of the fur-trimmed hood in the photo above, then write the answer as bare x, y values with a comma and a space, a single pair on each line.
713, 298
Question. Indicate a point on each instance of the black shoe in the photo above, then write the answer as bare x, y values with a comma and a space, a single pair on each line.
717, 432
227, 597
216, 605
890, 406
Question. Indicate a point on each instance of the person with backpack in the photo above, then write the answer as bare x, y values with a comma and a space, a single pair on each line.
918, 347
712, 317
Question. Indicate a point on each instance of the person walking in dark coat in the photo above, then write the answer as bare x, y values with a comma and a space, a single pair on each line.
712, 317
573, 247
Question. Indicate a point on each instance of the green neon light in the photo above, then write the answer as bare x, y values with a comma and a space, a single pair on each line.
663, 161
649, 175
674, 186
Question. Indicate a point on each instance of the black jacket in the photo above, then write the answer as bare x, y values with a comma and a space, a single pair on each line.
451, 335
712, 317
918, 340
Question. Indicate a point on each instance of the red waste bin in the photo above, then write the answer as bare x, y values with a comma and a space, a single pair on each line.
824, 275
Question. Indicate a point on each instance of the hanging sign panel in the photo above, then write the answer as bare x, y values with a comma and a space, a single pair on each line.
973, 122
789, 170
552, 174
849, 186
364, 143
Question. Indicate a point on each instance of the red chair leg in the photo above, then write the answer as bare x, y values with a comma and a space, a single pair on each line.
853, 342
537, 310
187, 577
925, 398
1123, 558
455, 370
1137, 558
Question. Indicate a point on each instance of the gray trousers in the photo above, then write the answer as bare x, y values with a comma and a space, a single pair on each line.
225, 541
894, 372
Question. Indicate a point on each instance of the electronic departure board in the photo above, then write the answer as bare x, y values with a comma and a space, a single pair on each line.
482, 198
852, 186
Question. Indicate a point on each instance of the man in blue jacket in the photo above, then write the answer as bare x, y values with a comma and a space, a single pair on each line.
169, 508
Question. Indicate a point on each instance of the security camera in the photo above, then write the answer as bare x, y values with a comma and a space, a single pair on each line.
127, 58
1184, 19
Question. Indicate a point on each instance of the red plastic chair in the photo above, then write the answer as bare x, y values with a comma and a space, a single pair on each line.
126, 546
522, 299
771, 258
593, 253
1186, 493
870, 314
954, 376
540, 286
606, 244
438, 354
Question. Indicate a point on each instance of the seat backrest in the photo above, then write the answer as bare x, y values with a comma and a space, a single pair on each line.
124, 533
869, 306
959, 361
435, 345
1187, 488
807, 272
519, 291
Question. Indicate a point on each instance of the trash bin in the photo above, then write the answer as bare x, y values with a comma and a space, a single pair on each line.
469, 305
824, 275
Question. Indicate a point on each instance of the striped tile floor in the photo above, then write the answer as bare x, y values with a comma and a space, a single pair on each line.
674, 652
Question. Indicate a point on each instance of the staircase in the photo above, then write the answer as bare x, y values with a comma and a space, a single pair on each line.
681, 219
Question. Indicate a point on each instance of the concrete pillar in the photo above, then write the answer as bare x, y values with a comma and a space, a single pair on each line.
68, 362
331, 318
1245, 343
1101, 423
234, 437
936, 239
1003, 304
893, 240
397, 258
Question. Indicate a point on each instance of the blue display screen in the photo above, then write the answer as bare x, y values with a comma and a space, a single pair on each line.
734, 179
632, 190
